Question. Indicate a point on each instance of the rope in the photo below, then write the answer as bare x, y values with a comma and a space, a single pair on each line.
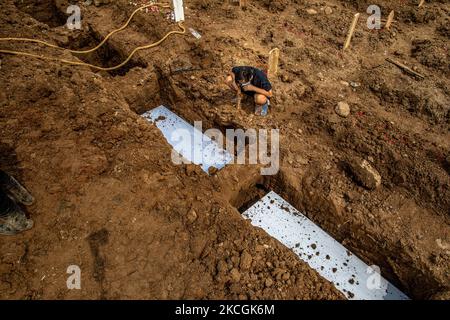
78, 63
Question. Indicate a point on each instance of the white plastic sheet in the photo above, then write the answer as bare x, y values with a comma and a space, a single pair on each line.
350, 275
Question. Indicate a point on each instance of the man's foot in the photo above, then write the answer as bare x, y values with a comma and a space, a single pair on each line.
13, 187
258, 110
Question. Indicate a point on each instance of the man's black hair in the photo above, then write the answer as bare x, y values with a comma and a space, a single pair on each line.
245, 74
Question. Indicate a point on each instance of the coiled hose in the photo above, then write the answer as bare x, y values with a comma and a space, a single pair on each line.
78, 63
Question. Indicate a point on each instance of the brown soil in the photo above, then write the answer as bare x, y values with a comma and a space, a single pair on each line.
109, 200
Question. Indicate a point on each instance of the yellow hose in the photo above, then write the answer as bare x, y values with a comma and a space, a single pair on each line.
180, 24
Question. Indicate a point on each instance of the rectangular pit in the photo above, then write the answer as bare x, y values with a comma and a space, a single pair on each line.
412, 280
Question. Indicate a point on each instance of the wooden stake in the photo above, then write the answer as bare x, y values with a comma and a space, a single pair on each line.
389, 20
274, 55
421, 3
405, 68
351, 31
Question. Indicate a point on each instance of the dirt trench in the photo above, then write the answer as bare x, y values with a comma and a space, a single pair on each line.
102, 168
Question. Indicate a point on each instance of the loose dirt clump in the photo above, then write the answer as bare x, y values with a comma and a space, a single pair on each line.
432, 54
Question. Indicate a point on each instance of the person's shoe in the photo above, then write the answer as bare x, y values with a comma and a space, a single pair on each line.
12, 219
265, 108
258, 110
13, 187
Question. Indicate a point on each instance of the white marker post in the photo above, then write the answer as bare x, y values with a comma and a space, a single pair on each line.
178, 10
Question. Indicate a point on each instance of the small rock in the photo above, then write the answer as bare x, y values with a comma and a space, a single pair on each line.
435, 258
343, 109
443, 295
3, 98
328, 10
190, 170
288, 43
365, 174
246, 260
212, 171
285, 276
235, 260
311, 11
277, 273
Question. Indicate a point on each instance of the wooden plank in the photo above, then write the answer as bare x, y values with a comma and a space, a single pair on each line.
351, 30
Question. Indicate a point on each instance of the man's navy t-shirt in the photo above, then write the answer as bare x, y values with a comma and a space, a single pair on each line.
259, 78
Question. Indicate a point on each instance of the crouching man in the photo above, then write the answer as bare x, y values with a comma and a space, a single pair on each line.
254, 83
